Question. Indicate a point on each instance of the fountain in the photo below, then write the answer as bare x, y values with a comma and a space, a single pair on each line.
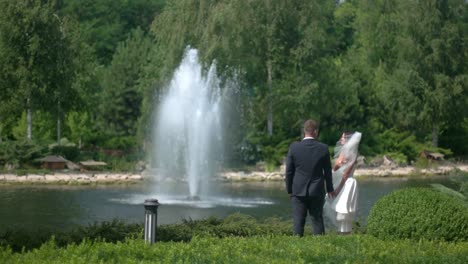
188, 130
188, 143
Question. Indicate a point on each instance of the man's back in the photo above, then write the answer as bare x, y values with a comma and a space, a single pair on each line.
307, 166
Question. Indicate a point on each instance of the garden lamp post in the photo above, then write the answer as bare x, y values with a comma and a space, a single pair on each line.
151, 217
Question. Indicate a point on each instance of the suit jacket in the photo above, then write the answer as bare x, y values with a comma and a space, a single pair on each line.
308, 166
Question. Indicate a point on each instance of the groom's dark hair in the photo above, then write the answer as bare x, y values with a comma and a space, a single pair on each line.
310, 126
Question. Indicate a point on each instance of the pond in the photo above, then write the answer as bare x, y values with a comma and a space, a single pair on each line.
61, 207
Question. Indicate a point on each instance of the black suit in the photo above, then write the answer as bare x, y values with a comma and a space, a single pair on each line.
308, 169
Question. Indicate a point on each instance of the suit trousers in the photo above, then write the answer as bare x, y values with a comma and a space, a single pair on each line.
312, 204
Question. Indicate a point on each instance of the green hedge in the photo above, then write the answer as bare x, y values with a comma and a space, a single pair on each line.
258, 249
233, 225
419, 213
114, 231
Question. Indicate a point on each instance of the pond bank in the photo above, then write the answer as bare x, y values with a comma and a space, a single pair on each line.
71, 178
383, 171
116, 178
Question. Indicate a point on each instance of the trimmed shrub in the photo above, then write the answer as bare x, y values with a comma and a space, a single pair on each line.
419, 213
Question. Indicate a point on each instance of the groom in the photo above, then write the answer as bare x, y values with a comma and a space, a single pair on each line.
307, 167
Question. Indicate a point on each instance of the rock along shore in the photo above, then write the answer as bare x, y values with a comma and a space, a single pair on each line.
70, 178
382, 171
110, 177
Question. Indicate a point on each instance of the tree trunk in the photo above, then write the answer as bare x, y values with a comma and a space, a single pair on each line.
29, 119
435, 135
269, 98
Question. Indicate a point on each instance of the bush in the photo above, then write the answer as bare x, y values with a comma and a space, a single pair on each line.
120, 143
248, 152
116, 230
112, 231
21, 153
419, 213
233, 225
68, 152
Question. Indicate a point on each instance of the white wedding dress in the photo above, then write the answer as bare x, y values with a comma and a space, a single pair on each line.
342, 209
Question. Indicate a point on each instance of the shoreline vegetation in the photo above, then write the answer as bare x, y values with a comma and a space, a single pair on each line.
236, 176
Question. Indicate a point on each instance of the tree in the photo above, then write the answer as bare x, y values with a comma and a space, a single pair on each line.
30, 46
419, 51
105, 23
121, 98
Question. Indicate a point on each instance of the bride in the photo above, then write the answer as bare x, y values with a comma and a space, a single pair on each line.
342, 209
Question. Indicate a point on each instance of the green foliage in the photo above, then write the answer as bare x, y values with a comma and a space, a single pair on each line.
121, 99
120, 143
236, 239
461, 191
402, 146
414, 47
105, 23
423, 163
379, 67
464, 188
21, 153
43, 130
262, 249
68, 152
38, 62
249, 152
80, 125
233, 225
399, 158
419, 213
274, 155
260, 147
120, 164
113, 231
449, 191
24, 172
66, 149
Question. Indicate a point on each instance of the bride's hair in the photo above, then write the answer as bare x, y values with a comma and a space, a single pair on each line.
350, 147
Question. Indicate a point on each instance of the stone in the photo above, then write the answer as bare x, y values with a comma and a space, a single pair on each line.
63, 177
135, 177
51, 178
35, 178
361, 161
81, 177
11, 178
388, 162
282, 168
260, 166
22, 178
101, 177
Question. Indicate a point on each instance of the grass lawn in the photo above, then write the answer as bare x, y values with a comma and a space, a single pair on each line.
257, 249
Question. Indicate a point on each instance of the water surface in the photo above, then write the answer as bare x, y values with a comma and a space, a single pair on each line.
61, 207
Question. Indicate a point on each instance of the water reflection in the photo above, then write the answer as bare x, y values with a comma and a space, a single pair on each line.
59, 207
